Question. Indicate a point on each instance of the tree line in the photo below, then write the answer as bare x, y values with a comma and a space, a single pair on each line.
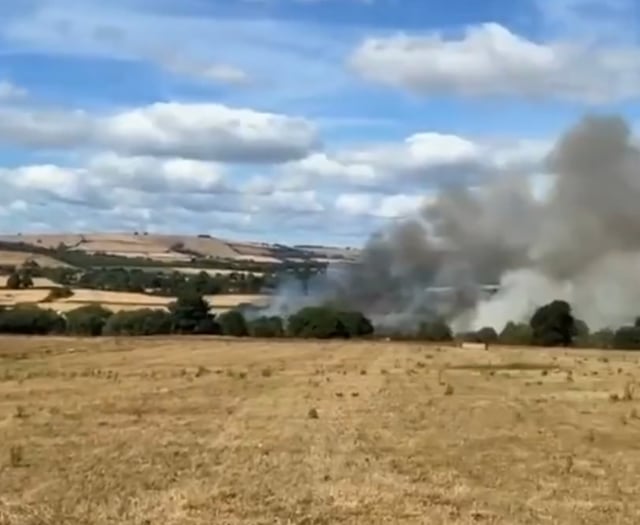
552, 324
189, 314
153, 282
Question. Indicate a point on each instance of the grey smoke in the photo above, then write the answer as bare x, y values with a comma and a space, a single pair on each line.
581, 243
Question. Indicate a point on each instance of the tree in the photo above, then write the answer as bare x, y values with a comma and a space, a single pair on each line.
553, 324
266, 327
434, 331
13, 281
356, 324
627, 338
516, 334
319, 322
26, 280
487, 335
232, 323
603, 338
31, 320
139, 322
581, 333
87, 320
190, 315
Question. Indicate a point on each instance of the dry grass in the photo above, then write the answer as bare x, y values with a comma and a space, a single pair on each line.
11, 258
232, 300
202, 431
38, 282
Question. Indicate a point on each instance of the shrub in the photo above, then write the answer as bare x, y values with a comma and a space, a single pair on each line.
139, 322
266, 327
232, 323
356, 324
316, 322
627, 338
31, 320
602, 338
516, 334
87, 320
13, 281
435, 331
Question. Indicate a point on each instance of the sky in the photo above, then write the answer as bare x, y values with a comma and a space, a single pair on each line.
292, 121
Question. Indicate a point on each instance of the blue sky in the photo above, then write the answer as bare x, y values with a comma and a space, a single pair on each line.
314, 121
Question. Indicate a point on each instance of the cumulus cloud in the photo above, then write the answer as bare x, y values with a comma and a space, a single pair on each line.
195, 131
424, 159
490, 59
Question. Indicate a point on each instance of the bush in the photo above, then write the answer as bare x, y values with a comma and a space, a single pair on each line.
553, 324
627, 338
486, 335
602, 339
266, 327
13, 281
232, 323
31, 320
139, 322
87, 320
317, 322
435, 331
516, 334
356, 324
322, 322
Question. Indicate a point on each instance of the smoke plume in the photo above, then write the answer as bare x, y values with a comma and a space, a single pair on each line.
580, 243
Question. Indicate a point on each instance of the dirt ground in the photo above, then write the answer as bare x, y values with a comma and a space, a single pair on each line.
208, 431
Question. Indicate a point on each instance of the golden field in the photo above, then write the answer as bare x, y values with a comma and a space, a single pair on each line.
210, 430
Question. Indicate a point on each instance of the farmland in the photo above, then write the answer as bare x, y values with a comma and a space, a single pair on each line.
210, 430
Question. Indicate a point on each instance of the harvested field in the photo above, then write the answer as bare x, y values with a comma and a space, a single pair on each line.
13, 297
205, 430
38, 282
11, 258
233, 300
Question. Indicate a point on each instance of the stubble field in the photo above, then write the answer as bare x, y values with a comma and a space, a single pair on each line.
207, 431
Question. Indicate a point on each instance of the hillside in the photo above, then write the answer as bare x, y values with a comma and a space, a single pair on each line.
177, 249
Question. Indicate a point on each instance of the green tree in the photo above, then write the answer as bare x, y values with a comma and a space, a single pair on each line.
553, 324
13, 281
190, 315
627, 338
141, 322
356, 324
31, 320
26, 281
603, 338
266, 327
436, 330
516, 334
232, 323
486, 335
318, 322
87, 320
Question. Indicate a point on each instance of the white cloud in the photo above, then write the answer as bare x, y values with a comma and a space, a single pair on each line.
491, 60
216, 73
9, 91
426, 158
195, 131
158, 175
382, 206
